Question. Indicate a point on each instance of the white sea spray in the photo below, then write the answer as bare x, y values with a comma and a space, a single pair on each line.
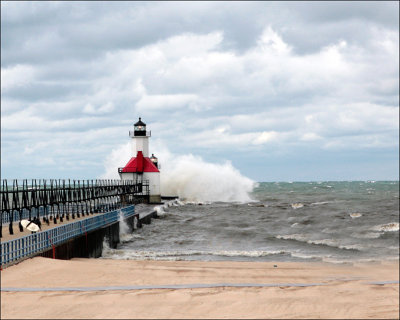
189, 177
125, 233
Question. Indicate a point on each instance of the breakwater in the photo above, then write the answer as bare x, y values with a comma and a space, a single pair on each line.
82, 238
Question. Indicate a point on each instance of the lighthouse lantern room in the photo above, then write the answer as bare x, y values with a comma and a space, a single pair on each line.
140, 167
140, 128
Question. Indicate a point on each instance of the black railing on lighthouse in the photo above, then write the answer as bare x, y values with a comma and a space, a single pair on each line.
57, 199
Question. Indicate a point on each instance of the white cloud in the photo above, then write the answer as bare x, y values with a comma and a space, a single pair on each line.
167, 101
105, 108
212, 86
265, 137
188, 45
17, 76
270, 40
310, 136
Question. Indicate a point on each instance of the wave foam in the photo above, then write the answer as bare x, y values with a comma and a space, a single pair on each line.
320, 203
174, 255
162, 209
388, 227
125, 233
303, 255
193, 179
297, 205
368, 235
326, 242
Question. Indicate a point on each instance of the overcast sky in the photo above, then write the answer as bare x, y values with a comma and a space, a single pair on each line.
286, 91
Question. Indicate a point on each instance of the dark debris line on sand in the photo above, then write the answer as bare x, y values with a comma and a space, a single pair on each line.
183, 286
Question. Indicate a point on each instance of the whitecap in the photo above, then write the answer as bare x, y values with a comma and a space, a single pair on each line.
326, 242
368, 235
319, 203
388, 227
308, 256
335, 261
395, 258
296, 236
168, 255
336, 244
297, 205
253, 253
160, 210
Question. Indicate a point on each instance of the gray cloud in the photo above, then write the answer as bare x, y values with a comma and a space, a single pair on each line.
84, 30
262, 78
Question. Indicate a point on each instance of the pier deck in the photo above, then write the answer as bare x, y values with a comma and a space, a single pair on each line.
17, 234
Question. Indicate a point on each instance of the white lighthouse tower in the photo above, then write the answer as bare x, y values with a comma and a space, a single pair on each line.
140, 167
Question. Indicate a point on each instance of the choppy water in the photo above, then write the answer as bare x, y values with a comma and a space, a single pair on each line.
300, 221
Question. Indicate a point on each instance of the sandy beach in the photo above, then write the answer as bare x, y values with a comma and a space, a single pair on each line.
102, 288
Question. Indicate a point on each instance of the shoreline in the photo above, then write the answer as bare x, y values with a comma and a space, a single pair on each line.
105, 288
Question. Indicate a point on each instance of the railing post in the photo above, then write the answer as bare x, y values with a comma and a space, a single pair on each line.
8, 252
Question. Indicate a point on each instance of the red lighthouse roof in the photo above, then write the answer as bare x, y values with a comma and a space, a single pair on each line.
140, 164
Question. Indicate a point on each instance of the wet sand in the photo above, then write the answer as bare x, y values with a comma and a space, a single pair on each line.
109, 289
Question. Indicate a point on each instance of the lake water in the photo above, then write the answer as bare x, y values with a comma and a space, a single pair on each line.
300, 221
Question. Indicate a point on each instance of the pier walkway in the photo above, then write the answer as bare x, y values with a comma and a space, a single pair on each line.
44, 227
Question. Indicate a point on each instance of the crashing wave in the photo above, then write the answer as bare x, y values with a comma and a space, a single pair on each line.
166, 255
388, 227
326, 242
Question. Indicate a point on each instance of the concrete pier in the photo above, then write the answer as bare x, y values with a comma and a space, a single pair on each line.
85, 245
89, 245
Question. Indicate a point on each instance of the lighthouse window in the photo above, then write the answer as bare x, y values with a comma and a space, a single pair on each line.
139, 128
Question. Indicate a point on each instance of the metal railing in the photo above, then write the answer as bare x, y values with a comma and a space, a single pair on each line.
17, 249
59, 199
132, 134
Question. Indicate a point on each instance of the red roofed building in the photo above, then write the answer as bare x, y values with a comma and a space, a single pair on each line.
140, 164
140, 167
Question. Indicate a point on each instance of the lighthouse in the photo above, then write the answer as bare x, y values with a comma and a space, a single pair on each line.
140, 167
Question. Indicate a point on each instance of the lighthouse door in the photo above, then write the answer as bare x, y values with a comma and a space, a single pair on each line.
139, 181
